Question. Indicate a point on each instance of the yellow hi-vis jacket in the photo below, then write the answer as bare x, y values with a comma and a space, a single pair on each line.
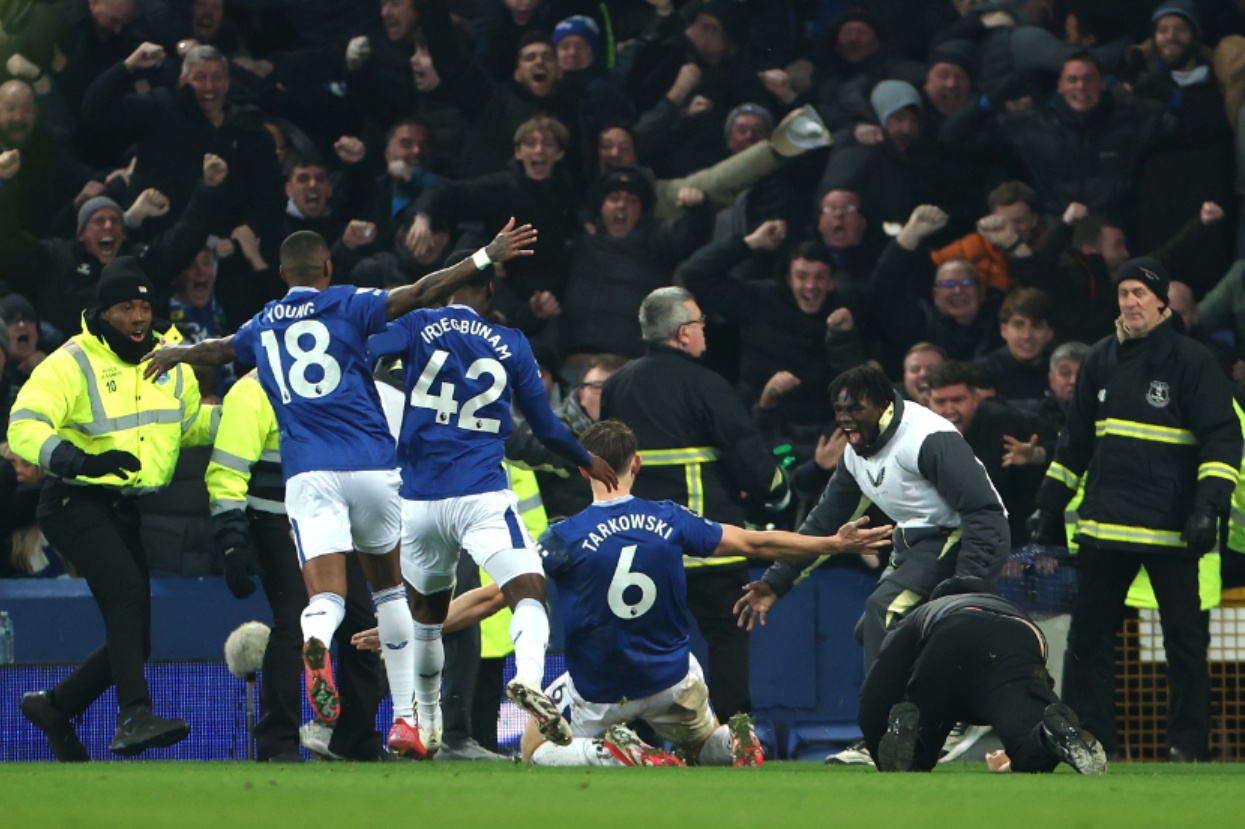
84, 394
245, 469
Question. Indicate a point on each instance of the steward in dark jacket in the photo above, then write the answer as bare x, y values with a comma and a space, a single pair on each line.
1152, 426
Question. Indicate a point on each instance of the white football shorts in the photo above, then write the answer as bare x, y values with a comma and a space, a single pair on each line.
680, 713
336, 511
487, 526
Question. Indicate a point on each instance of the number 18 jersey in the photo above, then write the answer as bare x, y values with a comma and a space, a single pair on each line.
618, 567
310, 349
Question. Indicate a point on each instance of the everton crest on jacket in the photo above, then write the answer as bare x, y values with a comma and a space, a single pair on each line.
1152, 424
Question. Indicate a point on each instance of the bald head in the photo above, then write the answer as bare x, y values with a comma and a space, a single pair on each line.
1180, 299
111, 16
18, 113
305, 258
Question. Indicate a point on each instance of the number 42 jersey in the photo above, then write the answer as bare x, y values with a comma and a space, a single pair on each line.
618, 567
461, 372
310, 348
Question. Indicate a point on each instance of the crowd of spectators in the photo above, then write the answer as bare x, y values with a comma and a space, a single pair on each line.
942, 187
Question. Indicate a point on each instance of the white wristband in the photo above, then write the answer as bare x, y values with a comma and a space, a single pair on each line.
481, 260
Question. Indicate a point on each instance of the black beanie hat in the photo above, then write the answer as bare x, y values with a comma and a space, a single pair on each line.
630, 179
1147, 271
961, 53
121, 281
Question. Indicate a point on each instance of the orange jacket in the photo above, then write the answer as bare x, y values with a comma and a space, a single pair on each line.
989, 260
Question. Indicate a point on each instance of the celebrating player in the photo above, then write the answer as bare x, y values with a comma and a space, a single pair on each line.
618, 566
461, 372
337, 451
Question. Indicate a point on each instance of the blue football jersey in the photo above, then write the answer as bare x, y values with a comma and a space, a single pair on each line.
310, 348
618, 567
462, 372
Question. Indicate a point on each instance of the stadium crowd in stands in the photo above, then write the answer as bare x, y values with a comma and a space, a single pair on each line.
944, 189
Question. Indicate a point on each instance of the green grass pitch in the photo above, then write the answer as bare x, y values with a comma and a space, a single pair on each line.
779, 795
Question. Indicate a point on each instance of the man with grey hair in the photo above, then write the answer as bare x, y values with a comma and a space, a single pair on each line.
173, 129
700, 449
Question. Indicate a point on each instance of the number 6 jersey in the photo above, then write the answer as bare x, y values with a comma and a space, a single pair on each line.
618, 567
310, 348
461, 372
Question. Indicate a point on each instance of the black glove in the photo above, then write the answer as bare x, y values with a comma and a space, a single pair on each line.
1047, 528
233, 540
112, 462
239, 567
1201, 532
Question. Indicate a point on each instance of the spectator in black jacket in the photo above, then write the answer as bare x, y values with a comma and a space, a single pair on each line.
59, 276
174, 131
710, 34
988, 426
1083, 147
50, 175
960, 314
798, 334
628, 256
887, 164
841, 223
1018, 369
536, 189
495, 110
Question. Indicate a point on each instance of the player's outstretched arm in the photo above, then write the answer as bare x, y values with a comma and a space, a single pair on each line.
466, 610
437, 287
214, 352
854, 537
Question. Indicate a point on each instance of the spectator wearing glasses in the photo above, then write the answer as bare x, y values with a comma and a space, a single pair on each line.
842, 226
959, 313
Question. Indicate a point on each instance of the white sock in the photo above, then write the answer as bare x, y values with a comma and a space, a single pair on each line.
581, 752
429, 660
393, 619
322, 616
529, 630
717, 749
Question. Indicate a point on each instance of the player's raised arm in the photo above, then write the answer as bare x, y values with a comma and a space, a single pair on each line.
437, 287
854, 537
214, 352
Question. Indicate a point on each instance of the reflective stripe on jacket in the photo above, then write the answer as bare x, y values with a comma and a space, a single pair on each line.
84, 394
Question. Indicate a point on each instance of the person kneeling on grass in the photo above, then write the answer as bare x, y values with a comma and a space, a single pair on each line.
618, 567
968, 655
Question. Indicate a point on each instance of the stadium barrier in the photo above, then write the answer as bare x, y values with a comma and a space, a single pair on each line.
806, 665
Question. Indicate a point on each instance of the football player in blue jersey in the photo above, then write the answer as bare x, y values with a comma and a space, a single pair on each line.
338, 455
618, 567
462, 372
